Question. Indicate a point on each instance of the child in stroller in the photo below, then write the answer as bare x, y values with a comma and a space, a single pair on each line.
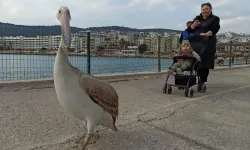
186, 61
183, 63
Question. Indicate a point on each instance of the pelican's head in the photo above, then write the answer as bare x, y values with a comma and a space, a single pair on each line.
63, 15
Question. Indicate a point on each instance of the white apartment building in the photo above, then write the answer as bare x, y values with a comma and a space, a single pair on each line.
241, 39
55, 41
99, 41
223, 40
131, 51
28, 43
11, 42
141, 41
81, 44
168, 43
34, 43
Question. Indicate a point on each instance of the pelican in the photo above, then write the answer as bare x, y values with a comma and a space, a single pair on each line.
80, 94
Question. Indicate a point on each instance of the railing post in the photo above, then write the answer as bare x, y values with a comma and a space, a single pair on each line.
230, 53
248, 54
88, 52
159, 53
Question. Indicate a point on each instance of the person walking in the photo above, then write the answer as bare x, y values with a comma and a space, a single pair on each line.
206, 24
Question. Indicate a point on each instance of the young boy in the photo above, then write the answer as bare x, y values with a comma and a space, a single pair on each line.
185, 35
183, 64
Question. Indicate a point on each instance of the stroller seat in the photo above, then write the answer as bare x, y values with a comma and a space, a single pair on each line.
193, 60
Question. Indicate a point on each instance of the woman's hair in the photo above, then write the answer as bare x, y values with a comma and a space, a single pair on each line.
206, 4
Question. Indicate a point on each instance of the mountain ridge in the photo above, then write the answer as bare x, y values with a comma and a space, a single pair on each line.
9, 29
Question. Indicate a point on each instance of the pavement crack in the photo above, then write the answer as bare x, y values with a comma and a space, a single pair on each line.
140, 117
57, 143
185, 138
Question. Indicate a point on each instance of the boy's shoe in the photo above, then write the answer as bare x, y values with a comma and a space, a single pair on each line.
186, 73
178, 70
170, 72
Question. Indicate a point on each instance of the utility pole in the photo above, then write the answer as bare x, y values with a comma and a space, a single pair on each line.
88, 51
230, 53
159, 53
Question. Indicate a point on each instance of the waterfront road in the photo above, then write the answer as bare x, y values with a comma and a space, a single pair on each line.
32, 119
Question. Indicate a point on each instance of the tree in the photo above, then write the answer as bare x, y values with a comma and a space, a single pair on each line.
127, 43
100, 48
43, 49
142, 48
122, 43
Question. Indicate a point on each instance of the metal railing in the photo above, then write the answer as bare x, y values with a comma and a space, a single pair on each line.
23, 58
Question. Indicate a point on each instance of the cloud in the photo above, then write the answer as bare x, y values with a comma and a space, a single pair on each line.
169, 5
40, 12
221, 3
236, 24
171, 14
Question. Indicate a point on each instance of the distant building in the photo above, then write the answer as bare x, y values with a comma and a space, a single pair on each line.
168, 43
141, 41
28, 43
99, 41
111, 41
131, 51
81, 44
55, 41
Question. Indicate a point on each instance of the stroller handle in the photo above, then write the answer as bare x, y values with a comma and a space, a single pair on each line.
193, 59
184, 57
198, 38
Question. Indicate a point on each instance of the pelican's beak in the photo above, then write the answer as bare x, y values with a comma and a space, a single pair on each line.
66, 32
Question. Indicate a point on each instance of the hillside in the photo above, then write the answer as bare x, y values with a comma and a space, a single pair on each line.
7, 29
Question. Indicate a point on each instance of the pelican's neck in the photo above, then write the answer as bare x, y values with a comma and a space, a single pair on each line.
62, 55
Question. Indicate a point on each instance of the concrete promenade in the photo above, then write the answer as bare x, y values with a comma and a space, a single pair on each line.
32, 118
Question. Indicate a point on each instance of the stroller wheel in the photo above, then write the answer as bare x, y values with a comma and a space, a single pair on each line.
186, 92
164, 90
169, 89
191, 93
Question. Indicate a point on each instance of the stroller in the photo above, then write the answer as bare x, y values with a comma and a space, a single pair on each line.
186, 81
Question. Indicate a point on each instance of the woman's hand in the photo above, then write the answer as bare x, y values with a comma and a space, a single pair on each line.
195, 24
209, 33
196, 55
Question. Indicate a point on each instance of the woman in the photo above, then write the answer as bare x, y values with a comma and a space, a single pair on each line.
206, 24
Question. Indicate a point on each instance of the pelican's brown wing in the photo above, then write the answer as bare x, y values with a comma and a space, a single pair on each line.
102, 93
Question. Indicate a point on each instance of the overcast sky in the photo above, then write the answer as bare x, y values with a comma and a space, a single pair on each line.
171, 14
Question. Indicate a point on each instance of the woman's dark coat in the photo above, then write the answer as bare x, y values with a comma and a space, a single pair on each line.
212, 23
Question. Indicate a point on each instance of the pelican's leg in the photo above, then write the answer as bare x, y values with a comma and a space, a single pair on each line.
86, 140
94, 137
90, 138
